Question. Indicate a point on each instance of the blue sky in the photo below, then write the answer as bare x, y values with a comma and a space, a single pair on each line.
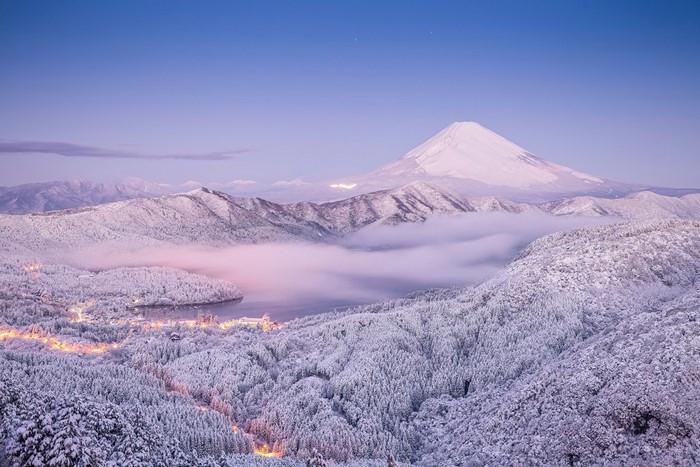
320, 90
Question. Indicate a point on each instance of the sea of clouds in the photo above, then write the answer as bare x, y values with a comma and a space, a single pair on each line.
373, 264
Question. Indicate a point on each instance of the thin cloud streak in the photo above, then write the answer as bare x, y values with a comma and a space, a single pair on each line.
79, 150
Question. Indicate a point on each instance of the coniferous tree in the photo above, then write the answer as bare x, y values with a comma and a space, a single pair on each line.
316, 460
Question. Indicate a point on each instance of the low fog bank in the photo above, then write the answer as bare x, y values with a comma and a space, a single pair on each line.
467, 227
374, 264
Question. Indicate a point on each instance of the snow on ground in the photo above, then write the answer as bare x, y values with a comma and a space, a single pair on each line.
110, 293
477, 160
641, 205
366, 373
583, 350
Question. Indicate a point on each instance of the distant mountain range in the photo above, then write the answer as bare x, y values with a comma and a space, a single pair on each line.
53, 196
211, 217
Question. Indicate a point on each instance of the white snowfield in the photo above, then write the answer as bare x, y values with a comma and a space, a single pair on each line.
468, 150
583, 351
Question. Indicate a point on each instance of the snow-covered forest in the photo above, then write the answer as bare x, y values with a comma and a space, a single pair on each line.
583, 350
108, 293
349, 233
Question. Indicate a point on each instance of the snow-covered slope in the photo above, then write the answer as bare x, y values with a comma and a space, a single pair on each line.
468, 150
471, 159
53, 196
583, 350
640, 205
597, 332
414, 202
210, 217
106, 293
591, 333
200, 216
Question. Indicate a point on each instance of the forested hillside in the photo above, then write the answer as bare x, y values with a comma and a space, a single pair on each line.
584, 348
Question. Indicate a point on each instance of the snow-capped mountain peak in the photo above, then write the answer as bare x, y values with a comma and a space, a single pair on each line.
468, 150
470, 158
469, 138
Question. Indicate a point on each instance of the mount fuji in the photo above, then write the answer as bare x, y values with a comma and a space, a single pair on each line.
472, 160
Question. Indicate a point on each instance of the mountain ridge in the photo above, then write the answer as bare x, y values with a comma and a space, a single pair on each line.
66, 194
205, 216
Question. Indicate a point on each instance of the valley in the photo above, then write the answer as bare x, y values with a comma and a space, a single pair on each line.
295, 389
416, 322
